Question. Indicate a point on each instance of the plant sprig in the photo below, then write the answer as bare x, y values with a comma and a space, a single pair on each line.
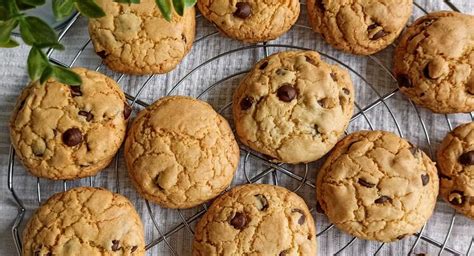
40, 36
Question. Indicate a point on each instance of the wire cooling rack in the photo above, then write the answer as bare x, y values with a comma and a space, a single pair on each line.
373, 105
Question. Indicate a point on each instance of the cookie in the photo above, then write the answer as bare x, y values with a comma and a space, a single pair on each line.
256, 219
251, 21
293, 107
84, 221
68, 132
359, 27
136, 38
377, 186
434, 62
180, 153
456, 167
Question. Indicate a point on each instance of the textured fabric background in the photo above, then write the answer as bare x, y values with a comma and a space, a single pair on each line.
371, 81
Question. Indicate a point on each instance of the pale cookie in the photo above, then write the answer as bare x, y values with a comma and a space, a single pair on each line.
293, 107
456, 166
434, 62
359, 26
256, 219
180, 153
84, 221
251, 21
377, 186
68, 132
136, 38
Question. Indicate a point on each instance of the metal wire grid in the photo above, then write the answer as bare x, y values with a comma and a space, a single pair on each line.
273, 170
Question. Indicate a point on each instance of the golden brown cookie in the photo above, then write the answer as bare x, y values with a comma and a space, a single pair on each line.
251, 20
68, 132
256, 219
293, 107
434, 62
180, 153
456, 166
136, 38
84, 221
377, 186
360, 26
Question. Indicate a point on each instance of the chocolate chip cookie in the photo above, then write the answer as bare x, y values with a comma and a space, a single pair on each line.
180, 153
456, 166
359, 27
251, 20
84, 221
256, 219
68, 132
293, 106
377, 186
434, 62
136, 38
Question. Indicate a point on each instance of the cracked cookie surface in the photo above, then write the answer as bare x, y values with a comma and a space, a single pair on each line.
180, 153
434, 62
456, 166
256, 219
68, 132
84, 221
359, 26
293, 107
251, 20
136, 38
377, 186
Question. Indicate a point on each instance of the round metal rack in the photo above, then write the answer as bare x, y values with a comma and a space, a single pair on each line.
296, 178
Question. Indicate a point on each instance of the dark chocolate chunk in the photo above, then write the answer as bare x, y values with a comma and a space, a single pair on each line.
244, 10
286, 93
72, 137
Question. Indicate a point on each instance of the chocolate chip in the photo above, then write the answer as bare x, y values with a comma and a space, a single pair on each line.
402, 236
310, 60
379, 35
425, 179
246, 103
115, 245
22, 104
127, 110
286, 93
365, 183
467, 158
102, 54
183, 37
157, 182
280, 72
334, 77
320, 5
427, 22
38, 147
88, 115
383, 199
239, 221
404, 81
302, 218
264, 65
346, 91
75, 91
372, 26
426, 71
72, 137
457, 197
243, 10
262, 202
134, 248
284, 252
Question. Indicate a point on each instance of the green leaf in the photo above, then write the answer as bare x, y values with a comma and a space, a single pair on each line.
23, 6
47, 73
127, 1
66, 76
62, 8
35, 31
6, 28
189, 3
37, 63
179, 7
10, 44
89, 8
33, 2
165, 8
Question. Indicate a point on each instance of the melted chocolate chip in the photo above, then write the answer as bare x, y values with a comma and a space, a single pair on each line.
320, 5
383, 199
457, 197
467, 158
262, 202
246, 103
115, 245
102, 54
183, 37
75, 91
284, 252
88, 115
134, 248
404, 81
310, 60
379, 35
425, 179
264, 65
372, 26
426, 71
127, 111
72, 137
346, 91
239, 221
302, 218
244, 10
286, 93
365, 183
